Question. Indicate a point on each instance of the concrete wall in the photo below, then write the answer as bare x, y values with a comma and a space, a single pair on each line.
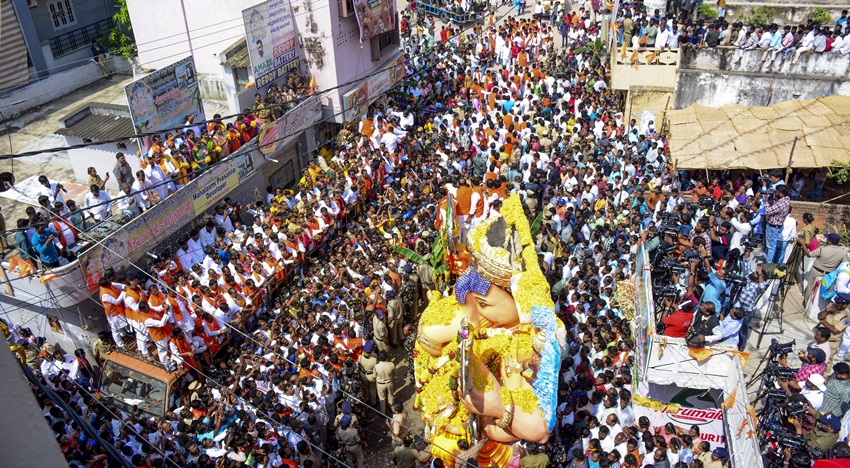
724, 75
57, 85
732, 59
102, 158
786, 11
717, 88
644, 67
67, 61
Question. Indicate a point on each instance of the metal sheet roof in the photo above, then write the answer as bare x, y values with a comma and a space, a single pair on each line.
97, 122
236, 56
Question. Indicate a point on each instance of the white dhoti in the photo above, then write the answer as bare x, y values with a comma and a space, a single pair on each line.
117, 324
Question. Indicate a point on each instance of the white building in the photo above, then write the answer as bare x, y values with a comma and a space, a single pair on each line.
328, 43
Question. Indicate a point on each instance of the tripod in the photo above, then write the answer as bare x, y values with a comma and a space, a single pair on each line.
774, 312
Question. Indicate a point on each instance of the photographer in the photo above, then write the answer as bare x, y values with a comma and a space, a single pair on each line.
741, 228
678, 322
825, 434
814, 362
705, 328
720, 239
776, 209
747, 302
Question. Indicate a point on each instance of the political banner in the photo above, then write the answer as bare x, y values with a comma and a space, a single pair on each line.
110, 253
159, 222
214, 185
374, 17
163, 99
271, 38
277, 135
684, 408
357, 101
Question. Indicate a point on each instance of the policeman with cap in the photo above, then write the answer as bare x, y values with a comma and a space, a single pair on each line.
394, 318
102, 347
379, 330
367, 364
345, 410
348, 437
384, 380
718, 457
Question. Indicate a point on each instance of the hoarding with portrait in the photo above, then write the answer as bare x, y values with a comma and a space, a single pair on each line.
272, 37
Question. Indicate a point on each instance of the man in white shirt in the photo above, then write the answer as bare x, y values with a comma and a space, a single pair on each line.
98, 203
222, 218
53, 190
208, 235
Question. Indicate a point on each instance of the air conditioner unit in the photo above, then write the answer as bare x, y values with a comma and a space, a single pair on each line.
32, 3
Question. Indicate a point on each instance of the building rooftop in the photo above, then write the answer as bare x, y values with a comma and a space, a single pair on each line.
236, 56
97, 122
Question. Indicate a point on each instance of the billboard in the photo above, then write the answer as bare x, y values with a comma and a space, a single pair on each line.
374, 17
684, 407
271, 39
358, 99
277, 135
214, 184
163, 99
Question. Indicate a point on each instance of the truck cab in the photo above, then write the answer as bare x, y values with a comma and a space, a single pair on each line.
129, 382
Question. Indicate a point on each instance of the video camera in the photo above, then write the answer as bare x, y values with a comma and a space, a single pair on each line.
672, 266
737, 280
777, 372
750, 242
781, 349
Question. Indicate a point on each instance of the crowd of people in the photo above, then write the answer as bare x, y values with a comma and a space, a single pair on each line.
293, 318
669, 32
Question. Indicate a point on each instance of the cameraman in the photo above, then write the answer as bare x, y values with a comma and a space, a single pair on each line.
705, 328
741, 228
747, 302
776, 210
721, 237
813, 363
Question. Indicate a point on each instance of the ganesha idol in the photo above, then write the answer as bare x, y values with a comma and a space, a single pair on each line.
487, 357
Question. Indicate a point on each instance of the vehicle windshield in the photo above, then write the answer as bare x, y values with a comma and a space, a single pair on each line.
129, 388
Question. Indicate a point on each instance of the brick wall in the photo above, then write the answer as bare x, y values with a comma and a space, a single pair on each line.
828, 217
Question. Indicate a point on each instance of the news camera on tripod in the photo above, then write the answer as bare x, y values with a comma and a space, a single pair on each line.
800, 416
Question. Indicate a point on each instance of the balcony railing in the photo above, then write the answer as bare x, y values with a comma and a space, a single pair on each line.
78, 38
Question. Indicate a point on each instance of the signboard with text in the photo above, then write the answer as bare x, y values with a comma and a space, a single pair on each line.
358, 99
271, 38
683, 407
374, 17
163, 99
213, 185
277, 135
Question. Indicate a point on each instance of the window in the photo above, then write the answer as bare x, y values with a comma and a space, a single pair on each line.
240, 77
127, 389
62, 13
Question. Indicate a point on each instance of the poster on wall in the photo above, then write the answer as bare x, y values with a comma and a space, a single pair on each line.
357, 100
271, 39
684, 408
164, 99
111, 253
374, 17
279, 134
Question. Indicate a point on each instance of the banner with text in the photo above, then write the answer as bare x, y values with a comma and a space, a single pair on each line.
357, 101
374, 17
277, 135
159, 222
164, 98
213, 185
272, 37
684, 407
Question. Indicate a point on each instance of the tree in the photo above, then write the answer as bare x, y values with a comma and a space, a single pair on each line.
120, 39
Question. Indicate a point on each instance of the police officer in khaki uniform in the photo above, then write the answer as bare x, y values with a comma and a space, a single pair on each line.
379, 330
384, 379
395, 319
397, 425
348, 437
367, 364
102, 347
345, 410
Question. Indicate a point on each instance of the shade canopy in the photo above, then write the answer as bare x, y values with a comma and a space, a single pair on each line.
754, 137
